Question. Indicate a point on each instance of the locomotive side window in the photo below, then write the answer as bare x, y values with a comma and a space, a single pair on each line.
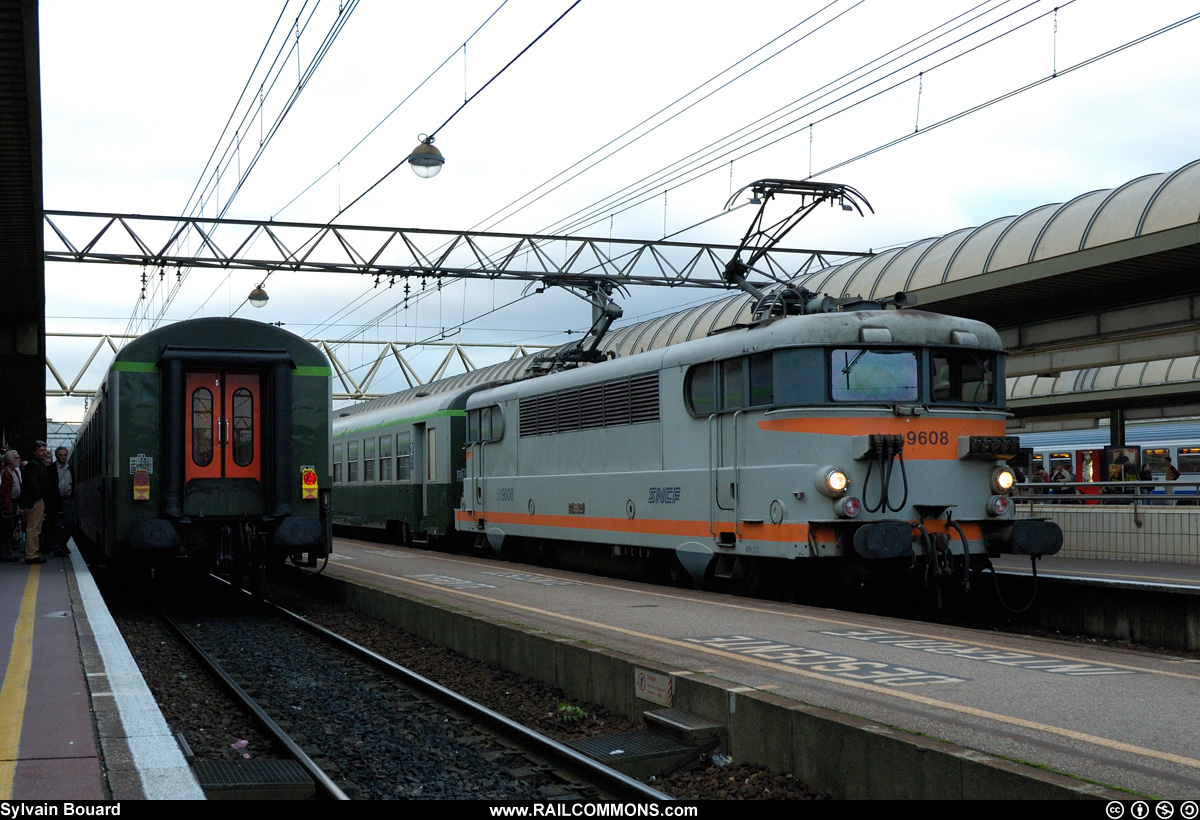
963, 377
733, 385
873, 376
799, 376
202, 426
352, 462
762, 380
337, 464
368, 459
701, 390
243, 427
485, 424
385, 458
404, 455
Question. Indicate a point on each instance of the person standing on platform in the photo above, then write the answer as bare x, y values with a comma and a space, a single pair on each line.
33, 502
10, 515
62, 484
1172, 475
1145, 474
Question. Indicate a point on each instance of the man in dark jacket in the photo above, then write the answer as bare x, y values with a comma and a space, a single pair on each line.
60, 504
32, 501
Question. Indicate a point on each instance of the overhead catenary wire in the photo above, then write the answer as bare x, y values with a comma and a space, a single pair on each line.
274, 72
507, 66
966, 112
721, 150
451, 117
389, 115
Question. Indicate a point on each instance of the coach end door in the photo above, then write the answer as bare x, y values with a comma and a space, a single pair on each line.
223, 431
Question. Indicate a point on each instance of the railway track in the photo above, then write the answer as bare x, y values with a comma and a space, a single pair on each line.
363, 727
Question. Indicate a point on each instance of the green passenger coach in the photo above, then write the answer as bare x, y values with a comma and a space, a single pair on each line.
208, 442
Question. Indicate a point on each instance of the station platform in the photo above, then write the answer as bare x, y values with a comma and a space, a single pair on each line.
77, 721
1165, 575
864, 706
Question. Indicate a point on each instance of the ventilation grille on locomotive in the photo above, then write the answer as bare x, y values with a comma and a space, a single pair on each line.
622, 401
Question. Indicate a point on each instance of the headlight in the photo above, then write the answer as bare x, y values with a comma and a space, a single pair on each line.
833, 481
1003, 480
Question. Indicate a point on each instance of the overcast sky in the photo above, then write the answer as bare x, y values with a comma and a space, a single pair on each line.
135, 96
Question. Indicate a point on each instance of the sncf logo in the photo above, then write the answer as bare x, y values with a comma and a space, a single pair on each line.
664, 495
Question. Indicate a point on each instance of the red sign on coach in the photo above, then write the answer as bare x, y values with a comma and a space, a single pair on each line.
141, 485
308, 483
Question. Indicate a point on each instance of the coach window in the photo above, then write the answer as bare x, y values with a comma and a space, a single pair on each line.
1061, 460
404, 455
385, 458
368, 459
202, 426
1153, 458
337, 463
873, 376
351, 462
1189, 460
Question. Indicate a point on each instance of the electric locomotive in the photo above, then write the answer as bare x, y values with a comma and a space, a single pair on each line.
208, 443
854, 443
857, 439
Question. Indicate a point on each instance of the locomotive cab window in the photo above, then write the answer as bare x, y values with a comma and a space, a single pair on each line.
873, 376
962, 377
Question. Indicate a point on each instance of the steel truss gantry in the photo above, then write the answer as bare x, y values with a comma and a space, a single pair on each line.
356, 381
170, 243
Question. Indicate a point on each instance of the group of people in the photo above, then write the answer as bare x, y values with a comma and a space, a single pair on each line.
36, 505
1061, 478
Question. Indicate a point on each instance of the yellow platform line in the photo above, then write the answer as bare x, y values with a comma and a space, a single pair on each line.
16, 685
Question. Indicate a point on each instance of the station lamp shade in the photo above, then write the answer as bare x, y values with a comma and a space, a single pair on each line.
425, 160
258, 297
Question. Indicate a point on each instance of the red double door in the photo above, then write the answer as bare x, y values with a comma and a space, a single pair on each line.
224, 432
